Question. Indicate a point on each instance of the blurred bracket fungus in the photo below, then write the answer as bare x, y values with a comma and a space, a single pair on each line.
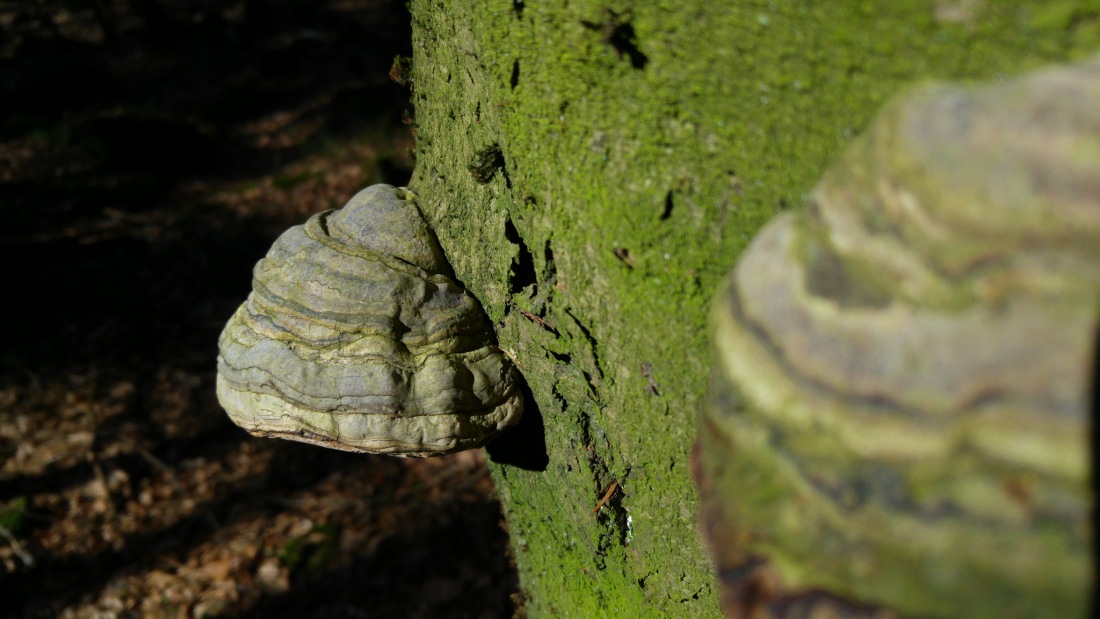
357, 337
899, 414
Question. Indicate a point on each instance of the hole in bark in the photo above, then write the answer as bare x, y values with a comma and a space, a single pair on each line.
487, 161
624, 42
616, 31
550, 270
515, 74
668, 207
523, 265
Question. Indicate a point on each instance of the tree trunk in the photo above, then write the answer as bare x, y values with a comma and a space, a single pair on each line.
592, 172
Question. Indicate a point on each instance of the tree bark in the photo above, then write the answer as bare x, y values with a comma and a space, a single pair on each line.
592, 172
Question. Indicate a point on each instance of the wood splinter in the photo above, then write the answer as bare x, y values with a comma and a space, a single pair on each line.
606, 496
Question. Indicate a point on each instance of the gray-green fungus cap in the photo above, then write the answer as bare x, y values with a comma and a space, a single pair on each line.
356, 337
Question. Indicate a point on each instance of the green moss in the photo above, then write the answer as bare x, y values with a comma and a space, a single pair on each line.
13, 516
311, 552
737, 110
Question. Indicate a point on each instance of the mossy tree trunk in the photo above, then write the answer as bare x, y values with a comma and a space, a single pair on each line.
593, 170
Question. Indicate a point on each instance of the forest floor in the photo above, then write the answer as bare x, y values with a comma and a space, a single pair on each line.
150, 151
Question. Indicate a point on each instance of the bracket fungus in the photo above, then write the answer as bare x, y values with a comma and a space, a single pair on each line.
899, 416
357, 337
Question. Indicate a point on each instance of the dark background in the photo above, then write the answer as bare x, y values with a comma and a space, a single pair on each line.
150, 151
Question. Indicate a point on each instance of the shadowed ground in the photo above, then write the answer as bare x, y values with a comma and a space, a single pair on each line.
149, 153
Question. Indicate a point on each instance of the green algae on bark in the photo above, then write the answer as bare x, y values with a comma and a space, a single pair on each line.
624, 195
